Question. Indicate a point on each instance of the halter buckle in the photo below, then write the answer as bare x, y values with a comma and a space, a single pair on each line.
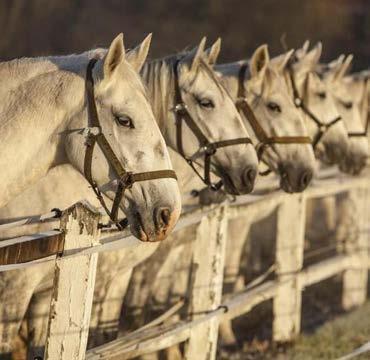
181, 108
240, 100
209, 149
127, 180
90, 133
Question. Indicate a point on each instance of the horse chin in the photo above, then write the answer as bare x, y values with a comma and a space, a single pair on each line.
229, 186
352, 168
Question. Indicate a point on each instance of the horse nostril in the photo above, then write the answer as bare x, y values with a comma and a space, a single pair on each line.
249, 176
306, 178
163, 216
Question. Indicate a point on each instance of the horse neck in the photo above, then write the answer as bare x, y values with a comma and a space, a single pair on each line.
158, 75
31, 124
17, 71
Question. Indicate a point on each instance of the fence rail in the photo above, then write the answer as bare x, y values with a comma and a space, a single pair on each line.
74, 250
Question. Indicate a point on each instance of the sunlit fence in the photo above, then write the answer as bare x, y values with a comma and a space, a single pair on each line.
75, 247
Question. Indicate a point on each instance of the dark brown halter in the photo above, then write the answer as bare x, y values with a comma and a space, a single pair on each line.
205, 146
125, 178
322, 128
263, 138
363, 133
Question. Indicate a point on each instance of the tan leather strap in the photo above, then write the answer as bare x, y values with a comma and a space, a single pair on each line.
367, 124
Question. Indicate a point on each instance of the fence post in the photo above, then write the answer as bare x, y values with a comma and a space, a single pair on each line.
289, 260
73, 291
356, 246
206, 288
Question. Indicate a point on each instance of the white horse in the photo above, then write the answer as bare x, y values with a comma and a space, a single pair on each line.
348, 99
317, 96
295, 164
47, 113
351, 94
214, 112
54, 106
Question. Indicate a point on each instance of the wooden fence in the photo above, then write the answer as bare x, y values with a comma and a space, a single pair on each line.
75, 247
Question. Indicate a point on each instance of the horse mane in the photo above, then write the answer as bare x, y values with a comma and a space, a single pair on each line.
159, 78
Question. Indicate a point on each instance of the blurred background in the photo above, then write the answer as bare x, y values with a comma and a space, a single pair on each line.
42, 27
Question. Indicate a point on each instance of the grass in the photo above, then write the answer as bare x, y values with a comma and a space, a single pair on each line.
335, 338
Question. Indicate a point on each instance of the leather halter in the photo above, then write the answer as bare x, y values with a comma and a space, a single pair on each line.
362, 133
125, 178
206, 148
322, 128
263, 138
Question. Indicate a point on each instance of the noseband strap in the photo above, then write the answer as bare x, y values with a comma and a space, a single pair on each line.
362, 133
264, 139
322, 128
206, 148
125, 178
366, 129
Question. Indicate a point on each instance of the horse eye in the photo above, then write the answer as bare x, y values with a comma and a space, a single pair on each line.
125, 121
274, 107
322, 95
348, 105
206, 103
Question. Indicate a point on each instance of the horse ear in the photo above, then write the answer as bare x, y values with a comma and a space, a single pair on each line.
198, 54
314, 55
301, 52
345, 67
335, 64
336, 69
306, 45
194, 57
136, 57
281, 61
259, 61
309, 62
114, 56
213, 52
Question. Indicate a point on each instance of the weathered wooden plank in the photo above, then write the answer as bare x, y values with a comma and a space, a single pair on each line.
40, 246
289, 260
323, 270
159, 337
73, 290
356, 246
206, 288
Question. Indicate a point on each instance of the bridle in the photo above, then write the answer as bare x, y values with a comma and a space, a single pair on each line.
206, 148
125, 178
364, 132
264, 139
322, 128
